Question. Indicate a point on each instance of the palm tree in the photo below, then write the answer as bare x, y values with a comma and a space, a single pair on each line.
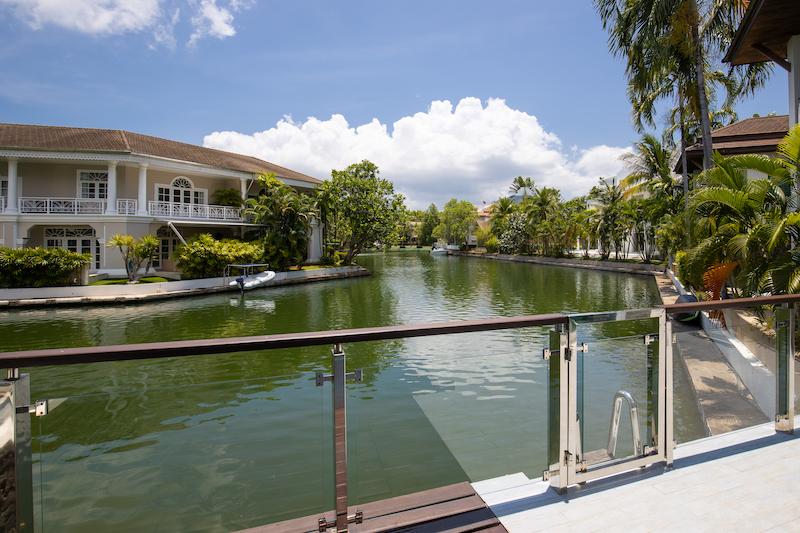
285, 218
651, 166
521, 184
750, 221
501, 210
666, 41
540, 208
606, 215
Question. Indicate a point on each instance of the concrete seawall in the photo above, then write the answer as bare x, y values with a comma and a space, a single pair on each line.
590, 264
109, 294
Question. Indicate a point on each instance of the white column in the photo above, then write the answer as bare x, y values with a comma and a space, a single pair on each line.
111, 207
315, 242
142, 209
243, 188
793, 57
12, 186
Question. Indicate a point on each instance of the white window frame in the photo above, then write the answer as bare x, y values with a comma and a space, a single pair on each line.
60, 237
79, 182
193, 192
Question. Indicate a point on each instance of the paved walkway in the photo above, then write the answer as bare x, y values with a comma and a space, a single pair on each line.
742, 481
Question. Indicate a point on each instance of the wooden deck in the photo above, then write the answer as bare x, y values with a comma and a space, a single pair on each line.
453, 509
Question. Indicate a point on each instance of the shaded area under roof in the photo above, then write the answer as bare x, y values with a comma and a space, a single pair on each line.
770, 23
756, 135
30, 137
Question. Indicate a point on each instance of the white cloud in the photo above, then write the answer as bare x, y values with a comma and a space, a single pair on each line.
471, 152
101, 17
118, 17
211, 19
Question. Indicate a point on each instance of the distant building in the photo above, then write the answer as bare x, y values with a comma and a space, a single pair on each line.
74, 188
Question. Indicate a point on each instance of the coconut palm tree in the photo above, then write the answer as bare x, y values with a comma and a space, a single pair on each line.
606, 212
667, 41
501, 210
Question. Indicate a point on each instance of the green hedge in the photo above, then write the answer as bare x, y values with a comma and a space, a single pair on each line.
206, 257
39, 267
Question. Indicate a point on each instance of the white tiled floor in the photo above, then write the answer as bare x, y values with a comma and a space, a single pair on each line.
748, 481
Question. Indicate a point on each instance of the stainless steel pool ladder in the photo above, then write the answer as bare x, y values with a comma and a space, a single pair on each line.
615, 417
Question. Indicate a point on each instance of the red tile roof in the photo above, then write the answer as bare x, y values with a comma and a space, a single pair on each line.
28, 137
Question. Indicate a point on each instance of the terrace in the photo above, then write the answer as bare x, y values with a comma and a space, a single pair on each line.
85, 206
601, 473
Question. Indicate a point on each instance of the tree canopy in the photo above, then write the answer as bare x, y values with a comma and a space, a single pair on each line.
362, 208
456, 222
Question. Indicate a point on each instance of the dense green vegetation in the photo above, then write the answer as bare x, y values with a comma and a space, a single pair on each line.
205, 257
39, 267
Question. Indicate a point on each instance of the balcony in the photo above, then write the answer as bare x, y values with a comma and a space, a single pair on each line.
89, 206
72, 206
194, 211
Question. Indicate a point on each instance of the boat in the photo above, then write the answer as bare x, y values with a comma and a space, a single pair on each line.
438, 249
254, 281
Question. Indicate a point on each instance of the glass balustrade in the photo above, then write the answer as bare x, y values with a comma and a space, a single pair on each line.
225, 442
212, 457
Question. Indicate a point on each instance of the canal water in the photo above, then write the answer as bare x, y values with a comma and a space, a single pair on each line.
221, 443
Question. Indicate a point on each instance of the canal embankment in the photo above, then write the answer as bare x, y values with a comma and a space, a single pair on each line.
142, 292
590, 264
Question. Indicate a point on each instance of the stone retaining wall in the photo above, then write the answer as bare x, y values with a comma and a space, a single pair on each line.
591, 264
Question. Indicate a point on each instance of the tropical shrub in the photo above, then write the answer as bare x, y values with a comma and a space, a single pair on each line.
492, 245
134, 253
39, 267
284, 217
205, 257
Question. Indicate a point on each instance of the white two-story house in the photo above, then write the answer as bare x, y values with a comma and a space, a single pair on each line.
74, 188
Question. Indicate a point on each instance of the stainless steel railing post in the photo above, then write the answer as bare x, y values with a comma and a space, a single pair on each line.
16, 474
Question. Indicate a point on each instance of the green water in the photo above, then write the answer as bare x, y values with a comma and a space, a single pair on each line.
220, 443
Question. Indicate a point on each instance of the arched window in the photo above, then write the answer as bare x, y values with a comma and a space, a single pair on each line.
181, 191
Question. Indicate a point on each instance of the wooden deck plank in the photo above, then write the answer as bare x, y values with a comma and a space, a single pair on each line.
419, 515
452, 509
416, 500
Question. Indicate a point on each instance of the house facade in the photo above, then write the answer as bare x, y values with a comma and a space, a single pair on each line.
74, 188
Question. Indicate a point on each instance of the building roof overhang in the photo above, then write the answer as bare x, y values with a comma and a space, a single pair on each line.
764, 32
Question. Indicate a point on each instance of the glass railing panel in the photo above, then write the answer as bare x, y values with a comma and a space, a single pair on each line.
730, 362
442, 410
617, 373
209, 457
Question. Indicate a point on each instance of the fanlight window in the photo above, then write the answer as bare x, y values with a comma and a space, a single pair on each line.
93, 184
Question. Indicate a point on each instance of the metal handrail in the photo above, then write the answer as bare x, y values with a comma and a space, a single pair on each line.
616, 414
730, 303
157, 350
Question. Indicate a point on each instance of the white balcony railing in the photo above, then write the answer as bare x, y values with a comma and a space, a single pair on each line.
127, 207
3, 204
210, 212
61, 206
74, 206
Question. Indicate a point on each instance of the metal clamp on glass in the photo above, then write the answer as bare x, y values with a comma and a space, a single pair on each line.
357, 518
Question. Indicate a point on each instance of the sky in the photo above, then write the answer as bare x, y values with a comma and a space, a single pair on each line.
450, 99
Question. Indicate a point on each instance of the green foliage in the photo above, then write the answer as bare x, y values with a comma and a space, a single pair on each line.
205, 257
684, 273
135, 252
361, 209
482, 235
430, 219
515, 237
39, 267
492, 245
457, 222
284, 217
501, 209
227, 197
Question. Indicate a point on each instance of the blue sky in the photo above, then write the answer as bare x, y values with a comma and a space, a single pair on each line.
450, 99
